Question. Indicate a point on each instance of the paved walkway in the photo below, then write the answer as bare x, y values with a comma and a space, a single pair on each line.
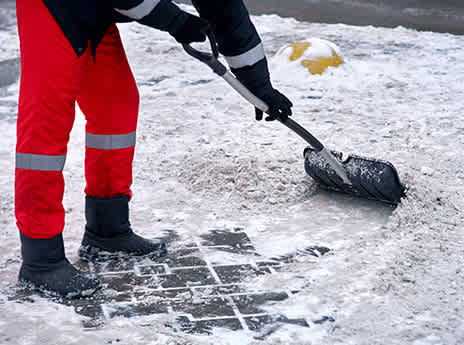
202, 293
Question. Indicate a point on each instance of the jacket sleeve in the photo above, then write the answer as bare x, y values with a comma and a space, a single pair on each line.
238, 41
159, 14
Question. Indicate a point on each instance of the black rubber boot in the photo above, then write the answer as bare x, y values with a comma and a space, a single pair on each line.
46, 268
108, 231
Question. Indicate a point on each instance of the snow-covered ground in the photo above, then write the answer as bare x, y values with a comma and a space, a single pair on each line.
202, 162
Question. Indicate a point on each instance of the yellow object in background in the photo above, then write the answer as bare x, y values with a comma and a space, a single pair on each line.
315, 54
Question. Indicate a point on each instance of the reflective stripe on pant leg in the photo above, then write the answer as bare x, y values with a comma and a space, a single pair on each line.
39, 162
111, 109
109, 164
51, 74
110, 141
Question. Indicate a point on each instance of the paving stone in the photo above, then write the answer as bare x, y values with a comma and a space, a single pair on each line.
184, 261
127, 281
184, 257
116, 297
206, 326
262, 323
221, 290
251, 303
268, 324
162, 293
316, 251
204, 308
236, 273
194, 276
298, 322
268, 264
155, 269
232, 241
114, 266
134, 309
190, 261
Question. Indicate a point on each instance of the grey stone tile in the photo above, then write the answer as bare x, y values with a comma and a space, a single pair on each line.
251, 304
195, 276
134, 309
236, 273
204, 308
205, 327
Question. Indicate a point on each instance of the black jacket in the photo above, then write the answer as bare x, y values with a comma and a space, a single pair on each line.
84, 20
238, 40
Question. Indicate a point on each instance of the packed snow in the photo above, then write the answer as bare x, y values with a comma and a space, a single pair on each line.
393, 276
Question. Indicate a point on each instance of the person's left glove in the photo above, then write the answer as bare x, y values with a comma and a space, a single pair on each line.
193, 30
256, 79
280, 107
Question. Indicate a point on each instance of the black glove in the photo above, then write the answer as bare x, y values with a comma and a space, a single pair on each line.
193, 30
256, 79
280, 107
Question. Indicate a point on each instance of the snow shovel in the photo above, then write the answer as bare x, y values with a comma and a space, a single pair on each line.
363, 177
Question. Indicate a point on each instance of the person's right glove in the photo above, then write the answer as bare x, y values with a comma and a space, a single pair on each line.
256, 79
193, 30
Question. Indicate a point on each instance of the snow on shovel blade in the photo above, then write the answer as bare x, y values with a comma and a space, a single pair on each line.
371, 178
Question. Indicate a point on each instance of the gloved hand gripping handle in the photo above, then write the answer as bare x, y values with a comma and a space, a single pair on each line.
211, 59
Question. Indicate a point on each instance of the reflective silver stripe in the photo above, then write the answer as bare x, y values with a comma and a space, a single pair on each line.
40, 162
110, 142
141, 10
248, 58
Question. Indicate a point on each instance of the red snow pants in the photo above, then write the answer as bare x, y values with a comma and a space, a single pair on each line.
53, 79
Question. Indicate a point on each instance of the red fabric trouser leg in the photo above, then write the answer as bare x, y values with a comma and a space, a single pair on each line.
109, 99
52, 79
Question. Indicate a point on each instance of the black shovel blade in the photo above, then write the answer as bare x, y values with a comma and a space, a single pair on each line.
371, 178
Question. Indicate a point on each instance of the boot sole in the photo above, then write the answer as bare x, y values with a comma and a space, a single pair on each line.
31, 286
96, 254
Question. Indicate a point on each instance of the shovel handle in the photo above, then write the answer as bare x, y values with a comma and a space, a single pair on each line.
209, 58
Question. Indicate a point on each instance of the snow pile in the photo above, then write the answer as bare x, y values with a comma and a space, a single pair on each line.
245, 181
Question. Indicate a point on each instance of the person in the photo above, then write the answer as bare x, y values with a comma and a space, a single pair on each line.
71, 52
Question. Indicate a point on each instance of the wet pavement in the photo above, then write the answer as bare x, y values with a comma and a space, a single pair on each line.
429, 15
7, 13
9, 71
